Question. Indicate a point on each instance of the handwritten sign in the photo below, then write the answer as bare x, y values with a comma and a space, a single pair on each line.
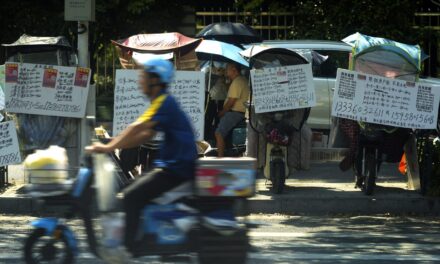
46, 89
386, 101
283, 88
9, 150
187, 87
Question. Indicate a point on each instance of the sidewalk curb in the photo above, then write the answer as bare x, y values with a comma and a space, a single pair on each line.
17, 205
291, 205
361, 205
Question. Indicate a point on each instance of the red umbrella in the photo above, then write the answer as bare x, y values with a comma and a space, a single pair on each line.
159, 43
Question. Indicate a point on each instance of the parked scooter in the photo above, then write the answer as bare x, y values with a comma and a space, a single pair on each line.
276, 127
378, 143
195, 218
277, 131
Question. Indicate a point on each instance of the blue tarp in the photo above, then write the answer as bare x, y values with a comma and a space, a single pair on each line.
362, 44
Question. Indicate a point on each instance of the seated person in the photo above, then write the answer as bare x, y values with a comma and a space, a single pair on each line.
234, 107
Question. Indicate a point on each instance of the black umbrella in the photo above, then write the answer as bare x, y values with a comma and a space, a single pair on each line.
234, 33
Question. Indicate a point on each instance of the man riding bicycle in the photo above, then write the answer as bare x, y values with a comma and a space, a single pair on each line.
178, 153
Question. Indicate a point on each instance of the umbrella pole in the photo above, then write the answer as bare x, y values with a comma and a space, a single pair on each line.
209, 84
210, 73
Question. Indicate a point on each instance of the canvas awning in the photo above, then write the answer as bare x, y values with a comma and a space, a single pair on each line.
159, 43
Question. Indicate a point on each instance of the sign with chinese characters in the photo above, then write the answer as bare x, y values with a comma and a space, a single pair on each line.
46, 90
283, 88
79, 10
380, 100
9, 150
187, 87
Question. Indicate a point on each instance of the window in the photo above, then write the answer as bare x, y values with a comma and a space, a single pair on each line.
335, 60
45, 57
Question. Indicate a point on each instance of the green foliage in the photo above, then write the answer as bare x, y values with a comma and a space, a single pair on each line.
336, 19
118, 19
115, 19
33, 18
319, 19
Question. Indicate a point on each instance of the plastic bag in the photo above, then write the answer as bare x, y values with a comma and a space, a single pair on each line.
47, 166
106, 184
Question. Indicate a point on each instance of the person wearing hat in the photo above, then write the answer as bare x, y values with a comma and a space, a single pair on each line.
178, 153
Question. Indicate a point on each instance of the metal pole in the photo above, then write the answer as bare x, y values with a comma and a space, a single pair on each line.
212, 15
83, 43
84, 61
105, 68
430, 46
209, 85
97, 75
236, 15
269, 30
204, 17
210, 73
293, 22
113, 65
278, 26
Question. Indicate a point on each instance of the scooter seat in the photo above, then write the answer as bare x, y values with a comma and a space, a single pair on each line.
183, 190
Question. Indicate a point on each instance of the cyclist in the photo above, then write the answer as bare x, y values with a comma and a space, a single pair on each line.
178, 153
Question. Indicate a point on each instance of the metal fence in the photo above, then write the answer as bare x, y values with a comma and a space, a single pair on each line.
105, 64
270, 25
428, 21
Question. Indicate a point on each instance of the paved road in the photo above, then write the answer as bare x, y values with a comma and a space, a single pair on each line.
296, 239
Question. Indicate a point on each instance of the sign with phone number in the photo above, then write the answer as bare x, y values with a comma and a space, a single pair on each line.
380, 100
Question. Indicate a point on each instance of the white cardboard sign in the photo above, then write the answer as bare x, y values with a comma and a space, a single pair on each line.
380, 100
46, 90
9, 150
187, 87
283, 88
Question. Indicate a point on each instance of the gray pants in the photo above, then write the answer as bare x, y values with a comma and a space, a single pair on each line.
228, 122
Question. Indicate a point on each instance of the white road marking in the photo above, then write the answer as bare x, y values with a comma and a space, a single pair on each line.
255, 234
276, 256
384, 247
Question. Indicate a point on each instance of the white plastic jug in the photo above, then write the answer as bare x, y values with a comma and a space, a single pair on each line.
106, 185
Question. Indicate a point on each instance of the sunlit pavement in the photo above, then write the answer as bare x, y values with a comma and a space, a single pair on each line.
293, 239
